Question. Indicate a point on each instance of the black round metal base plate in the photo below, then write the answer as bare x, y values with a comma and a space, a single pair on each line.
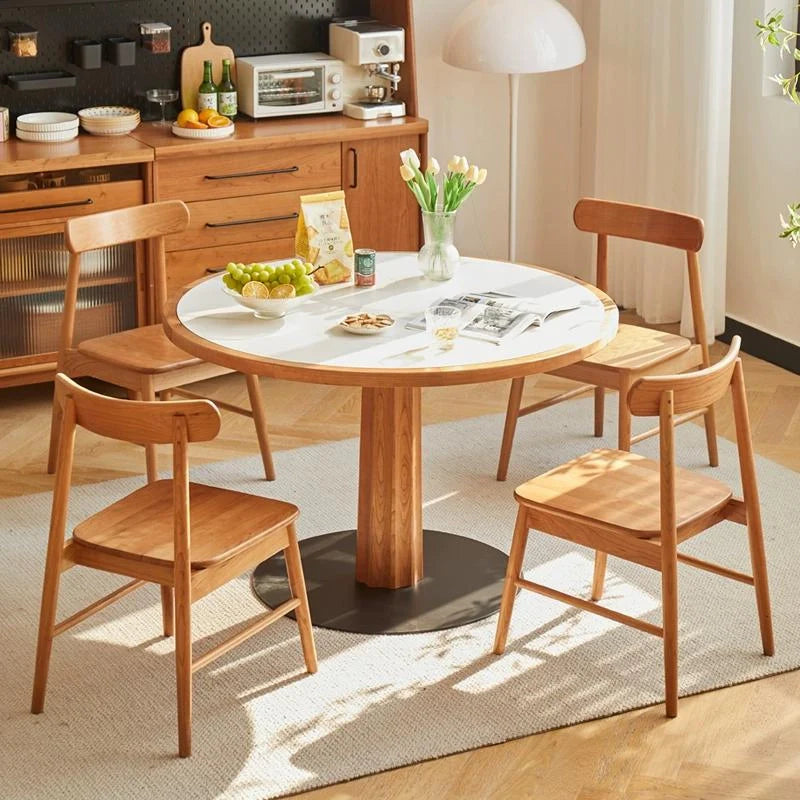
463, 583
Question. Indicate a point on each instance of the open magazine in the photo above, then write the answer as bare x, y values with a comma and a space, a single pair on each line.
498, 317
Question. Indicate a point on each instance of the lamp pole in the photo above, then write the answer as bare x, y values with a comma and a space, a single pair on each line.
513, 85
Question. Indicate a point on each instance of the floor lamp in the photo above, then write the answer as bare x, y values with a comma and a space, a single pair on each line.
514, 37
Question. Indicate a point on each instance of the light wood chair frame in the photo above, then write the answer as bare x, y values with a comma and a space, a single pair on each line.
145, 226
178, 423
665, 397
655, 226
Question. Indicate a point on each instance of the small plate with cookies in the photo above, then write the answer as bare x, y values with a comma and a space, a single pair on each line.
364, 324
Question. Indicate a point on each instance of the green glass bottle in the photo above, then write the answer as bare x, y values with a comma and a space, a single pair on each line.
208, 91
228, 99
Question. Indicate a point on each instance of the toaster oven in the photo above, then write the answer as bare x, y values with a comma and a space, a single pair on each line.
294, 83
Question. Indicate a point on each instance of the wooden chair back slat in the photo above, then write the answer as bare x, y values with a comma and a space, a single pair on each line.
691, 391
628, 221
125, 225
143, 422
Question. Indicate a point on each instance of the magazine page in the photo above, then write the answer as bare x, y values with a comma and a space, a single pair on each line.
497, 317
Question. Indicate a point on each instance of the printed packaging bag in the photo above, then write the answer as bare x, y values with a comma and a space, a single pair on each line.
324, 238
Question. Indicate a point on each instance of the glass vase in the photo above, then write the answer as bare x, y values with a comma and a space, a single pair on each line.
438, 257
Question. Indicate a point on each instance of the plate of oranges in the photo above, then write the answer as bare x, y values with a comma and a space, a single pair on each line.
207, 124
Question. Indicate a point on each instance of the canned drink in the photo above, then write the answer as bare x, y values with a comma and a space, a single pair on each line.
365, 267
4, 123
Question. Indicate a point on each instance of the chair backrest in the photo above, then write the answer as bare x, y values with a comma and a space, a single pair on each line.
151, 222
144, 422
179, 422
676, 394
691, 391
656, 226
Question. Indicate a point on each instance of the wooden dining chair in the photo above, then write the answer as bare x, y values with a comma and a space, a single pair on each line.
636, 350
141, 360
149, 536
641, 510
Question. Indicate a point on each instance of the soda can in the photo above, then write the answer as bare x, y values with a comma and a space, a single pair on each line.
365, 267
4, 123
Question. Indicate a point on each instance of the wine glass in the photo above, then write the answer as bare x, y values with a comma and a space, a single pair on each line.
162, 97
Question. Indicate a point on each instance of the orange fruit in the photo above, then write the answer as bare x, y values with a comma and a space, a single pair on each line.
218, 121
187, 115
206, 113
196, 125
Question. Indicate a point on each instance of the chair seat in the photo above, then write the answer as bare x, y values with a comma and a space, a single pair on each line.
622, 490
145, 350
635, 348
223, 523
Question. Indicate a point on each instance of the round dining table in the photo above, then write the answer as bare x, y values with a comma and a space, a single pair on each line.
389, 574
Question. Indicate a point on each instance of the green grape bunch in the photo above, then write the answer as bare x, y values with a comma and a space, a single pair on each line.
291, 279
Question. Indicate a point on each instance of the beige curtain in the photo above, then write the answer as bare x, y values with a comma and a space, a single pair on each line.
656, 130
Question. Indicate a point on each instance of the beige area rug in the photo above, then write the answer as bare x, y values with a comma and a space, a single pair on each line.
262, 728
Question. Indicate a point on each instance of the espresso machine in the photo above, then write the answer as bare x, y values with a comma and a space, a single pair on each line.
372, 53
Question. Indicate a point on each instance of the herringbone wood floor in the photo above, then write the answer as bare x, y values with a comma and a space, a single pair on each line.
739, 743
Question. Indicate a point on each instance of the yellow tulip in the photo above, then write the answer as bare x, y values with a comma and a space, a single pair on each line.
472, 174
482, 173
433, 166
406, 173
454, 163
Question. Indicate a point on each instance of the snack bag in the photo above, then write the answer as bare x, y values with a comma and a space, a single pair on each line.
323, 237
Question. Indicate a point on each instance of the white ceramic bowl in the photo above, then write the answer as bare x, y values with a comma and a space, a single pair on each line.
119, 129
203, 133
47, 122
109, 115
268, 309
49, 137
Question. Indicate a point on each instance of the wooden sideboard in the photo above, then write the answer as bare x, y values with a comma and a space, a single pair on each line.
243, 195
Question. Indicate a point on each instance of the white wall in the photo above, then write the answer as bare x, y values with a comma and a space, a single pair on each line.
468, 113
763, 271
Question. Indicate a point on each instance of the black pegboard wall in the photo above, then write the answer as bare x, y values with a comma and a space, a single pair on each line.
250, 27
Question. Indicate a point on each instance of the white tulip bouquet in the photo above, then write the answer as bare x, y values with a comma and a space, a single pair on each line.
458, 184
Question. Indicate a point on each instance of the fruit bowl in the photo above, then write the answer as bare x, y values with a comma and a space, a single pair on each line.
266, 308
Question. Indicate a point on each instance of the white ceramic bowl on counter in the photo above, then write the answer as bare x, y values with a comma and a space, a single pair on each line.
109, 120
47, 137
203, 133
265, 308
47, 122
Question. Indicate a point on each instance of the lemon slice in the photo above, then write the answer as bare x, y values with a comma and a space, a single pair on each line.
255, 289
282, 292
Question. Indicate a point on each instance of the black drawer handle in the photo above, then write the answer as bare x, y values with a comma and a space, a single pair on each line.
86, 202
293, 215
281, 171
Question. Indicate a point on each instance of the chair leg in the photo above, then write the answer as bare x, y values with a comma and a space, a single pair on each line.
260, 420
758, 561
297, 584
710, 419
47, 621
150, 453
513, 571
599, 409
512, 415
599, 578
669, 596
183, 667
624, 422
55, 428
167, 610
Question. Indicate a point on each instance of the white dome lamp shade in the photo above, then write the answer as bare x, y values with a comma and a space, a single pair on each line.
514, 37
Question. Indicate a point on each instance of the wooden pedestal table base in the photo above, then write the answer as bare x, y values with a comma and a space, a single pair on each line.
462, 579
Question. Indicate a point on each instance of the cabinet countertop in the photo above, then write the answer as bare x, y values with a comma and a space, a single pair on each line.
17, 157
150, 142
316, 129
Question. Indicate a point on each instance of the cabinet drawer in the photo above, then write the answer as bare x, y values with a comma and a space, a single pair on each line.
239, 219
189, 265
70, 201
238, 174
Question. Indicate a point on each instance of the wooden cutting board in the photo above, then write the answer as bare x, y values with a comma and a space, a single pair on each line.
192, 59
